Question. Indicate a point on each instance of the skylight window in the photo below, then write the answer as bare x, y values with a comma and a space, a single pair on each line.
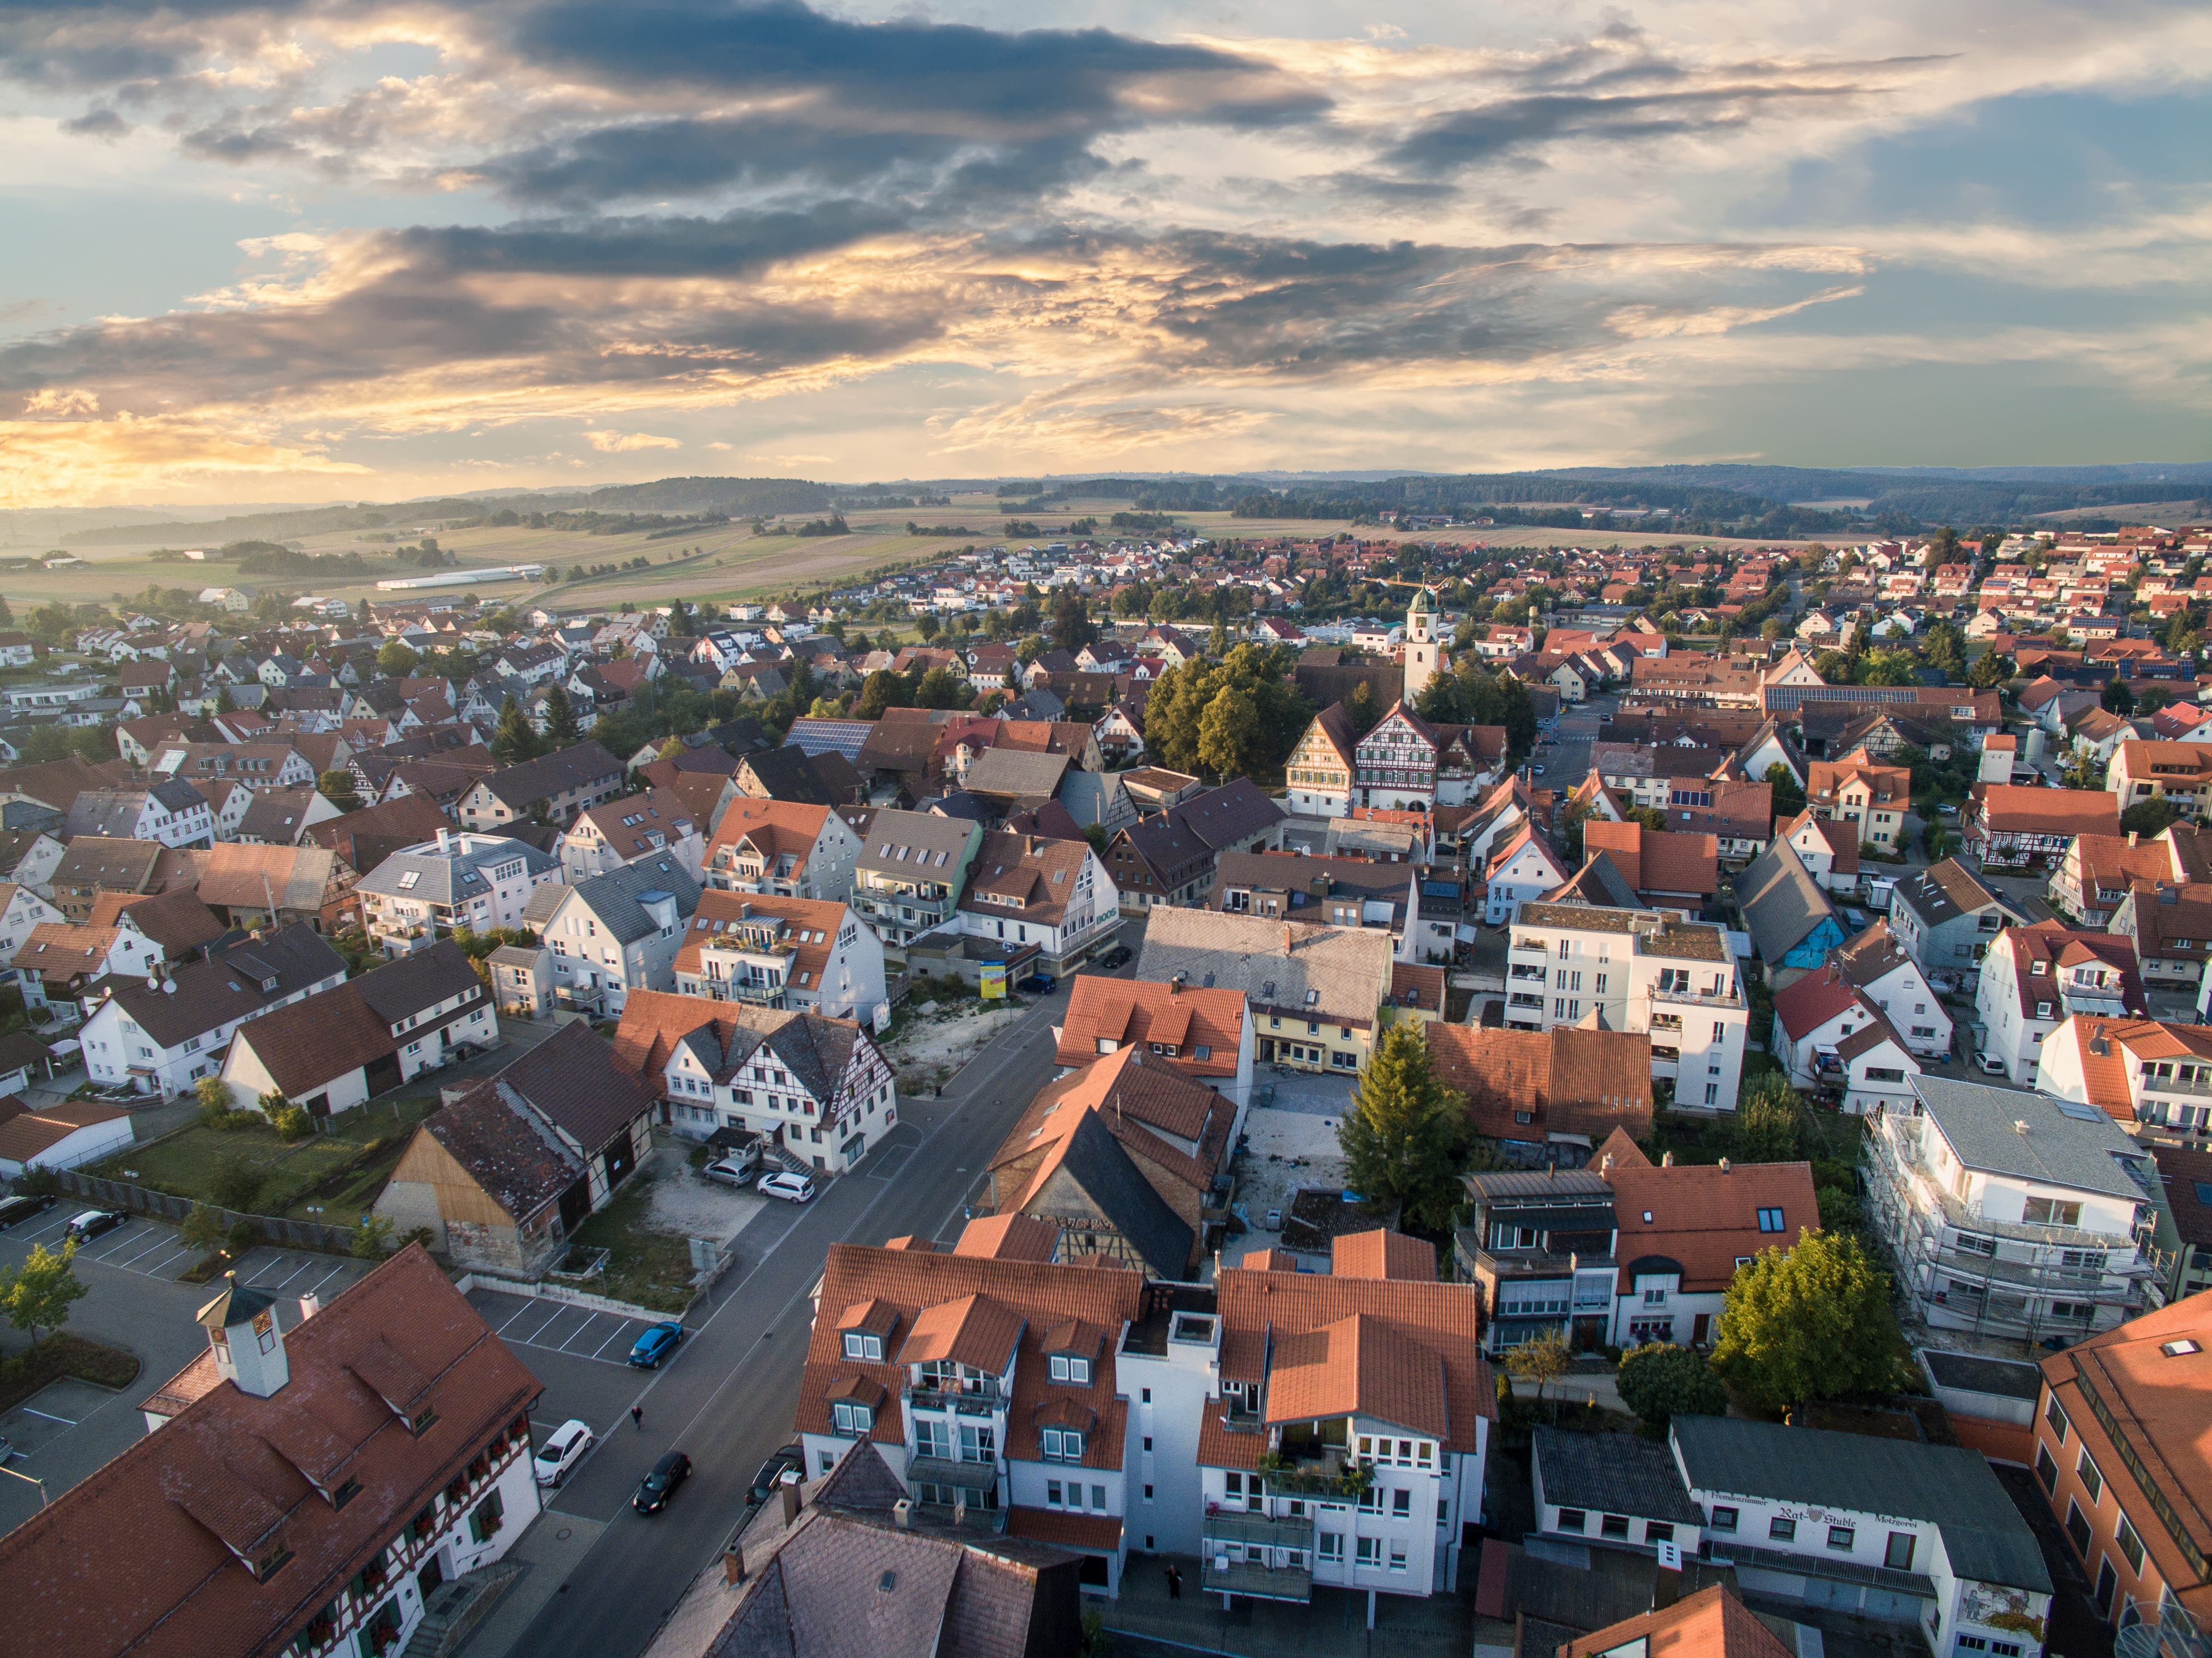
408, 877
2179, 1349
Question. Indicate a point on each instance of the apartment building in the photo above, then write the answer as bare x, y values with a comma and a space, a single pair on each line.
2171, 928
1635, 970
171, 811
912, 871
782, 952
361, 1453
1624, 1251
614, 933
1205, 1035
782, 849
2013, 1214
1314, 991
2098, 871
459, 880
1289, 1427
1030, 890
2120, 1437
2035, 976
552, 788
637, 826
1946, 919
2149, 1076
2179, 774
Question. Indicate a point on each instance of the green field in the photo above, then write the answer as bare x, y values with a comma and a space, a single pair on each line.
185, 1164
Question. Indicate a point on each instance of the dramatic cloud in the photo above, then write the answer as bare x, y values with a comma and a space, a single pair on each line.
682, 222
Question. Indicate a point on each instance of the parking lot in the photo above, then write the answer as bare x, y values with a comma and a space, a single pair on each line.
152, 1248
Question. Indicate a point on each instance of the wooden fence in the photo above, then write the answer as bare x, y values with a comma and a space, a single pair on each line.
142, 1200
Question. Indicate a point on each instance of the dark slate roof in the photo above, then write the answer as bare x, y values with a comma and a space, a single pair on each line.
1613, 1473
1223, 816
1094, 1159
518, 1167
228, 984
1598, 883
1948, 1485
1782, 901
412, 983
549, 774
617, 898
2007, 1378
1014, 774
571, 1079
788, 774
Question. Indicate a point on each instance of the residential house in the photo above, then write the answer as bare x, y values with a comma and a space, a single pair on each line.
162, 1036
2098, 870
650, 825
344, 1046
1836, 1043
784, 953
2171, 928
1666, 870
2035, 976
2009, 825
1027, 889
614, 933
1877, 964
479, 882
1313, 991
1946, 919
1335, 891
21, 910
1155, 861
173, 812
1521, 868
779, 848
276, 817
1829, 848
1787, 912
552, 788
2152, 1077
2179, 774
1635, 971
257, 886
300, 1484
2012, 1214
66, 1135
815, 1089
1547, 1097
58, 962
912, 872
1860, 791
1205, 1035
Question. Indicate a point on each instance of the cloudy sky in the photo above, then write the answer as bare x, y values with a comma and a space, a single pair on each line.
371, 248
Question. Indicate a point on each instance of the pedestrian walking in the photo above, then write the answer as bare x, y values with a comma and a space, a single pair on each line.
1174, 1582
637, 1417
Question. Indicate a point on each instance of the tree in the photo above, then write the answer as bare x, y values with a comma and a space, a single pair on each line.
515, 742
1788, 793
214, 1095
1940, 842
38, 1294
1071, 626
1989, 671
203, 1230
561, 731
1360, 706
236, 1183
1888, 666
925, 624
1229, 735
2117, 698
1806, 1323
396, 660
1405, 1138
941, 687
1660, 1380
880, 691
2149, 818
1834, 667
1540, 1359
339, 789
1770, 1123
372, 1239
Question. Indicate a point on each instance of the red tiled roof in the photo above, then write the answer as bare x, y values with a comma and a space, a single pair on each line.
1379, 1254
1705, 1217
1711, 1624
1139, 1012
1565, 1080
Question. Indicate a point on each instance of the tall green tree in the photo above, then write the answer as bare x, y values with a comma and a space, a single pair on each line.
1071, 626
561, 731
1404, 1138
1660, 1380
1360, 708
396, 660
1229, 734
941, 687
1770, 1121
1807, 1323
1989, 671
1888, 666
38, 1294
339, 788
880, 691
514, 741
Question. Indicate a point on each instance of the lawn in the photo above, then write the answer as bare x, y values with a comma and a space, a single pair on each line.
340, 1169
59, 1355
644, 1268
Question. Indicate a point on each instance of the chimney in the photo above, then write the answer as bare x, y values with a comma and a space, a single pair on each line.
2134, 835
733, 1564
903, 1514
1725, 1165
1666, 1160
793, 1500
445, 840
310, 1304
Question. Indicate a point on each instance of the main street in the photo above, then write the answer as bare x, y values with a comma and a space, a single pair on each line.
727, 1397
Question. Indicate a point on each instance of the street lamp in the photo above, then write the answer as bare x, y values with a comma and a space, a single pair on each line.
43, 1498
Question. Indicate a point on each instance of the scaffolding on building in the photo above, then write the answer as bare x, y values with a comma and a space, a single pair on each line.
2007, 1280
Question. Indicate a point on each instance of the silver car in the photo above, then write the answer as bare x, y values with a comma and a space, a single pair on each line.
736, 1170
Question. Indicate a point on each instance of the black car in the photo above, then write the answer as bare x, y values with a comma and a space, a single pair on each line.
20, 1208
671, 1471
1115, 957
792, 1459
92, 1223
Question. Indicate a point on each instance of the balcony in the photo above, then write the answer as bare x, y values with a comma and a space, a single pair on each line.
1258, 1530
2176, 1087
1533, 946
976, 1398
1334, 1473
1521, 970
946, 1471
1523, 1264
1695, 998
1222, 1575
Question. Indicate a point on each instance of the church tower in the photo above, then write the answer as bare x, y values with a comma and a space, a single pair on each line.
1425, 659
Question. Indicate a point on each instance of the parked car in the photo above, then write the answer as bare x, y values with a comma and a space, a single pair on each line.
1116, 958
1990, 1065
655, 1345
1039, 983
658, 1486
736, 1170
792, 1188
21, 1209
786, 1467
563, 1448
93, 1222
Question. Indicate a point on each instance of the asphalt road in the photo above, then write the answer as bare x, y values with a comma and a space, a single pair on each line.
727, 1397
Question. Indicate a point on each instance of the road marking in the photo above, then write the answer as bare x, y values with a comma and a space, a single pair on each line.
66, 1421
583, 1329
154, 1239
128, 1237
334, 1271
620, 1330
156, 1269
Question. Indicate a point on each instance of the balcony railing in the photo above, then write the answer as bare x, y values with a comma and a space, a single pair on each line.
1541, 1263
973, 1395
2178, 1088
1222, 1575
1276, 1531
1696, 998
1521, 970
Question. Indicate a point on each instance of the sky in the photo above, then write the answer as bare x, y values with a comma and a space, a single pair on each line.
371, 249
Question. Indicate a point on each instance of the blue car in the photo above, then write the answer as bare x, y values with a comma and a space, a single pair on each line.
655, 1345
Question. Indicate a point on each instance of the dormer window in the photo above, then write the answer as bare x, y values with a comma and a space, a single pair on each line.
1060, 1445
856, 1420
864, 1345
2039, 967
1067, 1367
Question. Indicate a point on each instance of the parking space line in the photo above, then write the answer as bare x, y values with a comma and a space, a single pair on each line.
303, 1266
325, 1278
579, 1331
66, 1421
166, 1262
118, 1248
59, 1222
620, 1330
157, 1239
558, 1312
513, 1316
588, 1334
